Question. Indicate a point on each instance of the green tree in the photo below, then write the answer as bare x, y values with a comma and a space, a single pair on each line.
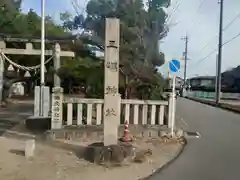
141, 30
86, 73
14, 23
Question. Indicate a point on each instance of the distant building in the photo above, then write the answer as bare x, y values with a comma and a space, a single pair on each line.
202, 81
179, 82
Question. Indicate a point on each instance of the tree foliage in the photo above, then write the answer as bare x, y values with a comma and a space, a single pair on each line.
84, 73
14, 23
141, 29
142, 26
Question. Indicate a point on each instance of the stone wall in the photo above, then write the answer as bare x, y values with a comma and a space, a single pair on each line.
96, 132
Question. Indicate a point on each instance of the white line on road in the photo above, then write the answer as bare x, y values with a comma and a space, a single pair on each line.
184, 122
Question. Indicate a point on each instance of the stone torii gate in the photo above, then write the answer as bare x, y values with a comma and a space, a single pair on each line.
29, 50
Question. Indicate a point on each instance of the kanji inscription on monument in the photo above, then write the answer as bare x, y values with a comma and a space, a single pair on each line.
113, 66
110, 112
111, 90
57, 108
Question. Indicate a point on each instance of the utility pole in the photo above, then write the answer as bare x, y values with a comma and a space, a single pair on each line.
219, 61
185, 58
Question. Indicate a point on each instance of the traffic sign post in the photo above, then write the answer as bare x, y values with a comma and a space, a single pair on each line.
174, 66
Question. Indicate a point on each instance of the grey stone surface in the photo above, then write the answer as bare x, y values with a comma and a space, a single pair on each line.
215, 156
46, 101
29, 148
109, 155
56, 112
36, 100
112, 99
56, 63
96, 132
179, 133
111, 119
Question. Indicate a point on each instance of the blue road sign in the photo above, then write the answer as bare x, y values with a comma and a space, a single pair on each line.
174, 65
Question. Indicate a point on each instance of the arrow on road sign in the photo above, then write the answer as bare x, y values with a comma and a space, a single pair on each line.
174, 65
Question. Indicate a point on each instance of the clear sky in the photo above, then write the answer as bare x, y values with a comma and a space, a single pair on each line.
199, 22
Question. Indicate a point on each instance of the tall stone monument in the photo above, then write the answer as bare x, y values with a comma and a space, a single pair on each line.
112, 99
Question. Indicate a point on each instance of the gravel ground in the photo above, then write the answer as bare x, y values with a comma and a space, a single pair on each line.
51, 163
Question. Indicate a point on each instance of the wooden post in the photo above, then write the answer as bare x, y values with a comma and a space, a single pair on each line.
112, 99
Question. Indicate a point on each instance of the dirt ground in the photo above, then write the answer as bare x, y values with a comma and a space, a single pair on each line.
50, 163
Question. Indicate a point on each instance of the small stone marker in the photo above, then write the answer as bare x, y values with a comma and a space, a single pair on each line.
57, 98
29, 148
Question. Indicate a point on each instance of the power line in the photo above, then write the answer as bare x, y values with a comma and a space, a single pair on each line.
200, 5
198, 9
194, 19
174, 10
213, 51
230, 40
202, 59
231, 22
224, 29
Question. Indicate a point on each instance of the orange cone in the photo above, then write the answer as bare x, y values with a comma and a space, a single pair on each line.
126, 134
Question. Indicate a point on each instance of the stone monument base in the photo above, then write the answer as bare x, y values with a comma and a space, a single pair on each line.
112, 155
38, 123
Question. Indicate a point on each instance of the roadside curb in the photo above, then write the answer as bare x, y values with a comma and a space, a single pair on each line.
222, 106
167, 164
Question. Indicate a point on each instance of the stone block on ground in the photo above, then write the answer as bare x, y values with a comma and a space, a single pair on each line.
29, 148
142, 155
179, 133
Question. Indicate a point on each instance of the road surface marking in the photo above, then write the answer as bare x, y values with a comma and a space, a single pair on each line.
184, 122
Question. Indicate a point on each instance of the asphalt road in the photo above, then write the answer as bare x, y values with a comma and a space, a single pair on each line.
216, 155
